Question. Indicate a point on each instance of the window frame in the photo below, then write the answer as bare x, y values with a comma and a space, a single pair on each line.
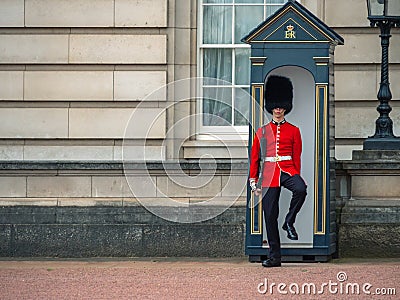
231, 132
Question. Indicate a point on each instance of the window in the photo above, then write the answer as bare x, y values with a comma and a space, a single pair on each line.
222, 56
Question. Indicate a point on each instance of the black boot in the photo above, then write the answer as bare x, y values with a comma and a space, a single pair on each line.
291, 231
271, 262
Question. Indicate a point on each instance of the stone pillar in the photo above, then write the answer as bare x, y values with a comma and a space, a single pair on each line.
369, 222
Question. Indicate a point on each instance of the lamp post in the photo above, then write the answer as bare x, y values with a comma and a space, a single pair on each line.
384, 14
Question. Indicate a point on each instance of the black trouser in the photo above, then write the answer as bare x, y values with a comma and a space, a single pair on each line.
270, 203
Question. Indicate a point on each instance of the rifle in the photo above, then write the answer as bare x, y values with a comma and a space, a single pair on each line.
263, 153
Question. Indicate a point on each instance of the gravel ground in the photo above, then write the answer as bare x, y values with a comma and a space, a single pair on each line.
189, 278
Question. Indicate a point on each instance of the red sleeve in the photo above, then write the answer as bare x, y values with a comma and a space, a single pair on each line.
255, 157
297, 148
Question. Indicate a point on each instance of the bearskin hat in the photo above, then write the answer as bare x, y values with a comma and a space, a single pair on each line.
278, 93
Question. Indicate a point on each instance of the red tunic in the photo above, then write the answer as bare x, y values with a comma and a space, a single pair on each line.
283, 139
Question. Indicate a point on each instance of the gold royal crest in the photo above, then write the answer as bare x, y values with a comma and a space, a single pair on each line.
290, 33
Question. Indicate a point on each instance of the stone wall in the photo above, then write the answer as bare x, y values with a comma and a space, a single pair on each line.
81, 209
65, 65
71, 72
126, 230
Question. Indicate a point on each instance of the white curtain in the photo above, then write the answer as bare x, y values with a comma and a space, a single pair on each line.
224, 26
217, 64
217, 24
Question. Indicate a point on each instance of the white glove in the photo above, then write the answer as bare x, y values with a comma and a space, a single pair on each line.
253, 185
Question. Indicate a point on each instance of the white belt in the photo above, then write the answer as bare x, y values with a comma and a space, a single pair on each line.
277, 158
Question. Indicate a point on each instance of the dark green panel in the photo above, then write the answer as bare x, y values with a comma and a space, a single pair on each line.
293, 36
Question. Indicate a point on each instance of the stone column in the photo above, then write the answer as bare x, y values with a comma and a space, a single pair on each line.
369, 222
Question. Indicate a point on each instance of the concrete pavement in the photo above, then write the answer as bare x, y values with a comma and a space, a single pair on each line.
197, 278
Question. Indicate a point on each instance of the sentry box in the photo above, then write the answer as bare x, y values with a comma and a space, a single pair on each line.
296, 44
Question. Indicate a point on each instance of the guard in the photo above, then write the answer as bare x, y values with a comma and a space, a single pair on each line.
275, 161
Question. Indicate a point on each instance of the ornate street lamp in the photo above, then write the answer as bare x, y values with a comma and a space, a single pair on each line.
384, 14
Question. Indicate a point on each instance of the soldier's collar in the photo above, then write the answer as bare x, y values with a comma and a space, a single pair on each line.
278, 123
